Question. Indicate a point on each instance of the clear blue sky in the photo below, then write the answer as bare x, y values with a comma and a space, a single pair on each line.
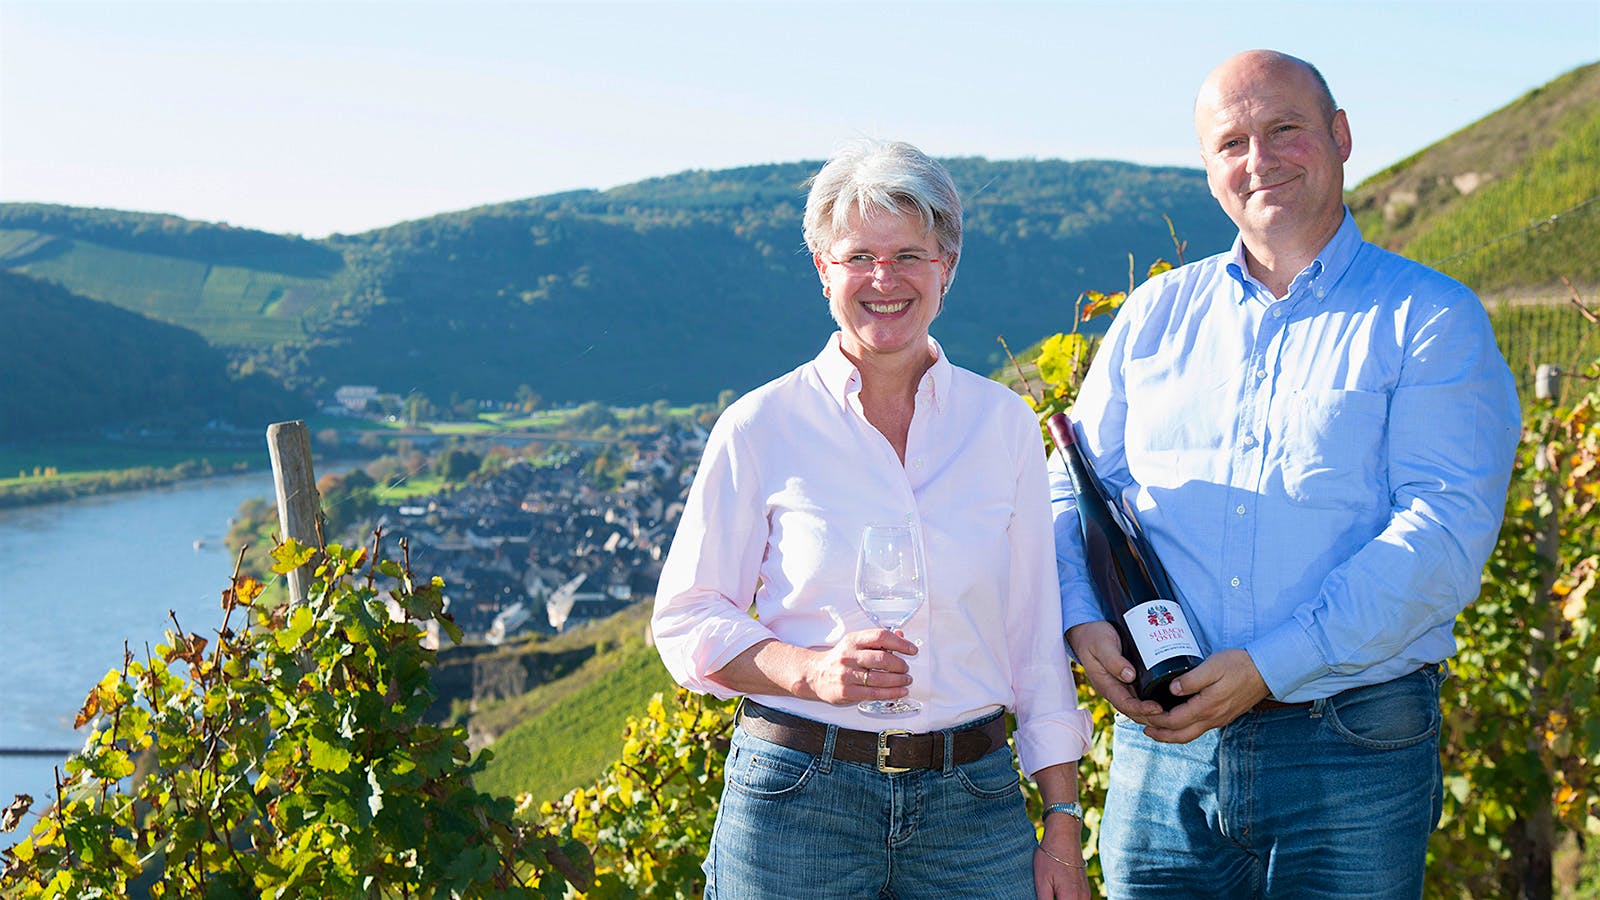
316, 117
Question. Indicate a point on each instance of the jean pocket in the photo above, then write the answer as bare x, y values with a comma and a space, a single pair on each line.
991, 777
764, 770
1390, 716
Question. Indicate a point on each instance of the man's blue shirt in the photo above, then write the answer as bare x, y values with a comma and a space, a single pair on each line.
1323, 475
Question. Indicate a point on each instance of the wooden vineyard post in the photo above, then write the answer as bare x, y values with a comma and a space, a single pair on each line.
299, 507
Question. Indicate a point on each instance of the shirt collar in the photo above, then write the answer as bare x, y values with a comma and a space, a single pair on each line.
841, 379
1323, 272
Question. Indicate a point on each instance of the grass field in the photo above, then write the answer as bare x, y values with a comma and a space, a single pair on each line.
571, 729
228, 305
78, 460
416, 486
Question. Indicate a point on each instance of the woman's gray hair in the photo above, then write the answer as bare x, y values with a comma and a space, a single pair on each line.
878, 176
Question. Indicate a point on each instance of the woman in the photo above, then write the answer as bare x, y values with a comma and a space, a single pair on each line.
879, 428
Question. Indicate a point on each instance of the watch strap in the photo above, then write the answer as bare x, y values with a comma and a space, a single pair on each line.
1072, 809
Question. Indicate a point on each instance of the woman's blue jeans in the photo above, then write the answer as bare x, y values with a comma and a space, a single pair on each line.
796, 825
1334, 800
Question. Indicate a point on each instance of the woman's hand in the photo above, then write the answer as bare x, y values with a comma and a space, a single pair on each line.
1056, 872
864, 665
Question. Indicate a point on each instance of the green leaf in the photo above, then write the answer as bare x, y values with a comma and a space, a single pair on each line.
291, 555
326, 757
300, 622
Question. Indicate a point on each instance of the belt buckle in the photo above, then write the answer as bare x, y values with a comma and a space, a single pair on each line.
883, 751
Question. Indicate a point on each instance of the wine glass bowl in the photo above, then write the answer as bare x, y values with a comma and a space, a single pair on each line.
891, 585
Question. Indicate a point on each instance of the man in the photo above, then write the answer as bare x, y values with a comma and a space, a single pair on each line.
1317, 435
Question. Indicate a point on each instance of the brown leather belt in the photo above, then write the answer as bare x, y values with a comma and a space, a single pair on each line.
893, 750
1269, 703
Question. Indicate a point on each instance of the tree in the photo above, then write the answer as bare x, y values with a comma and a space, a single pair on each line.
418, 408
528, 399
592, 416
457, 463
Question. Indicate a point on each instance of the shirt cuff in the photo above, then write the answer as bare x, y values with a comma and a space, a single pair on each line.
692, 658
1287, 659
1060, 737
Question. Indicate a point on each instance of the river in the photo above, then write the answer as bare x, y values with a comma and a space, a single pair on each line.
79, 578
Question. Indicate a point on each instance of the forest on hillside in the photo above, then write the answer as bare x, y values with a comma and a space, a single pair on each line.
89, 367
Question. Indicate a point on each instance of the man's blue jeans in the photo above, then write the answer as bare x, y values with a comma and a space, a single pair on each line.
796, 825
1335, 800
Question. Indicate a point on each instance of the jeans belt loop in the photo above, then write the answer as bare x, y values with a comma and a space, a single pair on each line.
825, 764
949, 737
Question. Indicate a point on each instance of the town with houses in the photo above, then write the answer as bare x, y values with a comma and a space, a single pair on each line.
539, 547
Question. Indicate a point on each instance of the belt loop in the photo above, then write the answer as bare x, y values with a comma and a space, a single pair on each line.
1318, 707
949, 737
825, 762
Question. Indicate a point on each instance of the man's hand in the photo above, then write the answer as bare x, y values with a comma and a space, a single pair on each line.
1099, 651
1220, 690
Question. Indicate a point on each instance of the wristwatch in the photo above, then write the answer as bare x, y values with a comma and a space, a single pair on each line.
1072, 809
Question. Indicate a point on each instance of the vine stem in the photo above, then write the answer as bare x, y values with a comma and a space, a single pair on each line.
1018, 366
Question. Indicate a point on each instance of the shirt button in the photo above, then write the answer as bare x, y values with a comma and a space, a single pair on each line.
1234, 582
1277, 314
1239, 509
1249, 440
1261, 373
917, 462
908, 518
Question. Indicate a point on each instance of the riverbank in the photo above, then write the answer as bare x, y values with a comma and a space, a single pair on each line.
56, 488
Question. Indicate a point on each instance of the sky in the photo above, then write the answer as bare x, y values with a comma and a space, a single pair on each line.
332, 116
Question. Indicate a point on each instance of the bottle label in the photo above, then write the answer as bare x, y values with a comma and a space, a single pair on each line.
1160, 632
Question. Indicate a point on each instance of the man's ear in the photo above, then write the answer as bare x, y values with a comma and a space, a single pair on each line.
1341, 135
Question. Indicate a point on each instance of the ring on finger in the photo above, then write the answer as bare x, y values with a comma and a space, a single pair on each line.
864, 676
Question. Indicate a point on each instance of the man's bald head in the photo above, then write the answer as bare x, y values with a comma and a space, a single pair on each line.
1257, 64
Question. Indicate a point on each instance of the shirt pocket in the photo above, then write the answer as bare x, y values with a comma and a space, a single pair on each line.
1333, 444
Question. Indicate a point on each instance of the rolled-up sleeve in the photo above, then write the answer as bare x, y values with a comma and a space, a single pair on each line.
702, 609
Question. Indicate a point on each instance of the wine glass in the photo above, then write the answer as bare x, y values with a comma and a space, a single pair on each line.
891, 584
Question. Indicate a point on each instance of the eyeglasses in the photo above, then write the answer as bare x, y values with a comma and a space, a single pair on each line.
865, 263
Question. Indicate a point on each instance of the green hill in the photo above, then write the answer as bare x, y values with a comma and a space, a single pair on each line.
236, 287
83, 366
1509, 204
675, 288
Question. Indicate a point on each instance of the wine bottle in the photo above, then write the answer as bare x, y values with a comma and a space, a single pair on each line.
1135, 593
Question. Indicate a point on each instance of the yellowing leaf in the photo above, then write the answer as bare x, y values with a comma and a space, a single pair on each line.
1060, 357
242, 593
91, 708
1576, 605
1094, 303
291, 555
